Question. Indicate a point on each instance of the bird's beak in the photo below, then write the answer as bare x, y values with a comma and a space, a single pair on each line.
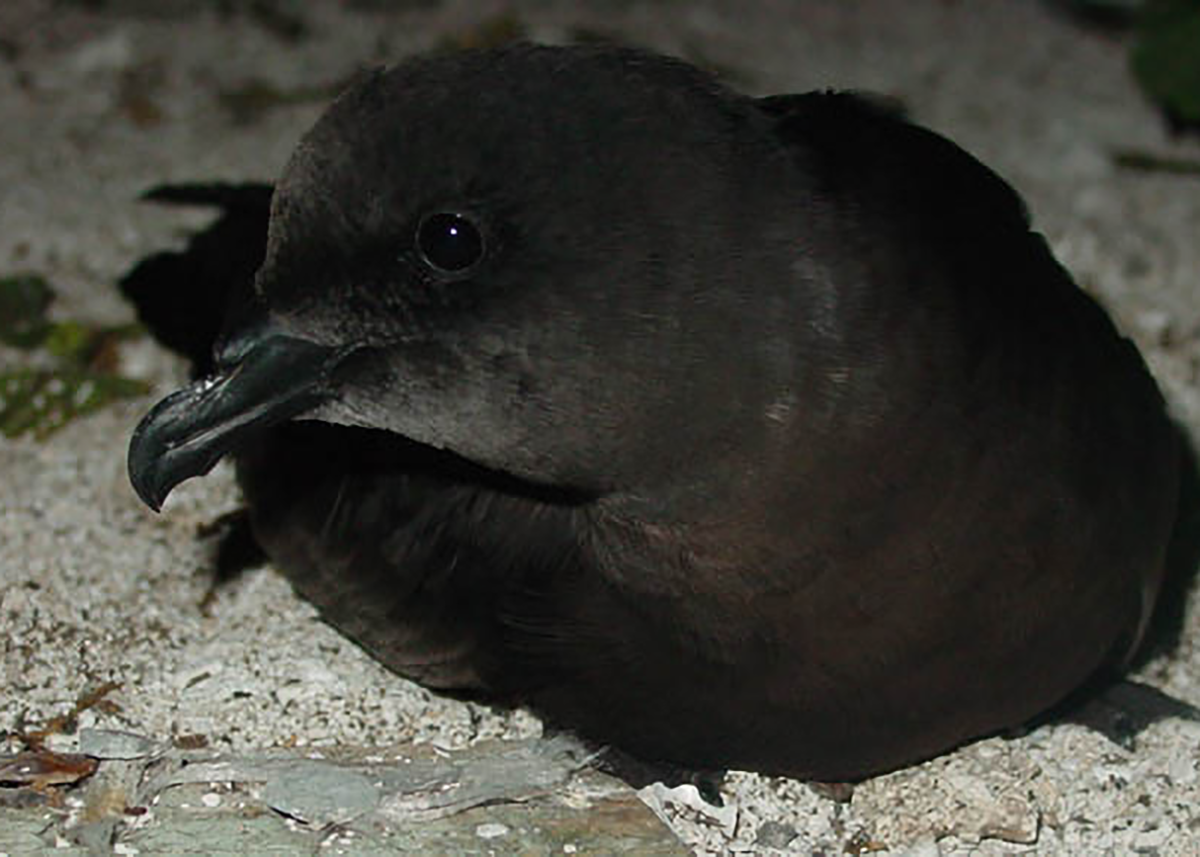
260, 382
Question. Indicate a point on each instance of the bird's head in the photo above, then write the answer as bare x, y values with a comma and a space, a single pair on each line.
561, 264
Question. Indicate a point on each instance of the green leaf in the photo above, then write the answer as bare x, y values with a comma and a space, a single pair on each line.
24, 299
1166, 57
41, 401
84, 345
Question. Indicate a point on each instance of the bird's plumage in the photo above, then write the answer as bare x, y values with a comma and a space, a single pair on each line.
762, 433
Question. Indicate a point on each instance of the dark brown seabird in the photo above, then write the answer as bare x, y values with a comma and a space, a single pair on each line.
734, 432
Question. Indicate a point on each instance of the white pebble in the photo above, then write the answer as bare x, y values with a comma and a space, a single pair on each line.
491, 830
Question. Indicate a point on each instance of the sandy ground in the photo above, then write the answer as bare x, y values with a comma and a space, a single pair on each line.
94, 588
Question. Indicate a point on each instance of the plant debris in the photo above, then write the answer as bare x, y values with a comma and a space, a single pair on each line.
43, 769
1166, 58
24, 300
39, 400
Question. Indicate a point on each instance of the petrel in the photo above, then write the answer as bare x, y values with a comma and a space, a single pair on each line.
733, 432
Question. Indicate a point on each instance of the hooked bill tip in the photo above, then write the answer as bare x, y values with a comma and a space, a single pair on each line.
143, 473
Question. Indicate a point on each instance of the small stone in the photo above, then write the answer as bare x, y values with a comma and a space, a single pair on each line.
1182, 770
924, 848
113, 744
774, 834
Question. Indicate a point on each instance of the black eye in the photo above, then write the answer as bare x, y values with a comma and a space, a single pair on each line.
448, 242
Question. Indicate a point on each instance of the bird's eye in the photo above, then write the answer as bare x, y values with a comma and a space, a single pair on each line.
449, 242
